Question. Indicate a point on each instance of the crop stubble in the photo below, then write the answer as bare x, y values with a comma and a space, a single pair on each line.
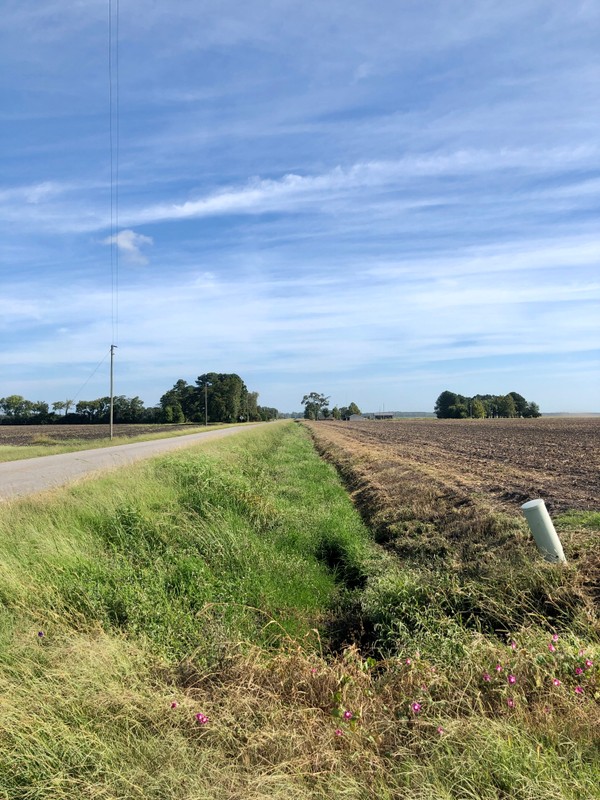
509, 461
431, 489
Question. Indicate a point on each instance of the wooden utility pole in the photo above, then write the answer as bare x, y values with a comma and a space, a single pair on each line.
112, 394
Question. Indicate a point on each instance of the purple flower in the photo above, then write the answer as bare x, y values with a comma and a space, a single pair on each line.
551, 648
487, 677
578, 670
589, 663
347, 714
339, 732
555, 637
174, 704
415, 707
498, 667
512, 679
556, 682
510, 702
579, 690
41, 634
202, 719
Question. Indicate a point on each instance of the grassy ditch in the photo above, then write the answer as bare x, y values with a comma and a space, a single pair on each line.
169, 632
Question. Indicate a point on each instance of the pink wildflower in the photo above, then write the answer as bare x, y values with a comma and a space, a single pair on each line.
339, 732
512, 679
408, 661
347, 714
578, 670
589, 663
313, 670
174, 704
556, 682
202, 719
440, 730
579, 690
513, 645
498, 667
415, 707
555, 637
581, 652
510, 702
487, 677
551, 648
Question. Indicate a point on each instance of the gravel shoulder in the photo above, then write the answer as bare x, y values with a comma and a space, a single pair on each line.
29, 476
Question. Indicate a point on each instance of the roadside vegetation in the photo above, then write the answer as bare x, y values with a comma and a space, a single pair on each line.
220, 623
18, 442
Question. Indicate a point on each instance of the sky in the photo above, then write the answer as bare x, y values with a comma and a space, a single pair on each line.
376, 201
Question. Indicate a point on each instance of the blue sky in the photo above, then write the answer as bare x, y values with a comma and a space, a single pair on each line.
376, 201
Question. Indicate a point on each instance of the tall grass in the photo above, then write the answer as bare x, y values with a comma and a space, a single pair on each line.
178, 630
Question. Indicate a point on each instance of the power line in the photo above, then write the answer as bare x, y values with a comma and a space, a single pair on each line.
89, 378
114, 143
114, 135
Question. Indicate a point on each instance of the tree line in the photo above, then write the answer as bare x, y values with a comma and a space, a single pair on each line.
214, 397
316, 406
450, 405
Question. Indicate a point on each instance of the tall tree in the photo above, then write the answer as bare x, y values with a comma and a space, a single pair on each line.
444, 403
314, 403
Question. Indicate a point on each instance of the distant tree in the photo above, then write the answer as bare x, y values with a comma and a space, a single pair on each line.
353, 409
252, 414
458, 411
60, 405
336, 413
477, 408
444, 403
267, 414
183, 402
314, 403
532, 410
520, 403
226, 394
505, 406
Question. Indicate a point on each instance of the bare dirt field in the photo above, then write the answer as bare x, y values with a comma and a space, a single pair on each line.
24, 435
509, 460
449, 491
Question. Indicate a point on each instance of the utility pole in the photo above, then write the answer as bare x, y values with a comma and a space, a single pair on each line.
112, 395
206, 404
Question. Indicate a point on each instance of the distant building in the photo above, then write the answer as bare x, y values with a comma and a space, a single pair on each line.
383, 415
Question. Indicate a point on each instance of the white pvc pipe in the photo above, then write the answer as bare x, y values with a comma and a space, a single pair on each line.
543, 530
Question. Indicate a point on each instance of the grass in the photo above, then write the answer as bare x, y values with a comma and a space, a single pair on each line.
221, 581
47, 445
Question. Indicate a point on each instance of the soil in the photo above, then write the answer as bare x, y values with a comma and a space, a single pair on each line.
509, 460
24, 435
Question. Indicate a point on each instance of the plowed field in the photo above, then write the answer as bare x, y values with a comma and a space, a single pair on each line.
33, 434
510, 460
449, 491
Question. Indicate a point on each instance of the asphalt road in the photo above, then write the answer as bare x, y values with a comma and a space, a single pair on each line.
31, 475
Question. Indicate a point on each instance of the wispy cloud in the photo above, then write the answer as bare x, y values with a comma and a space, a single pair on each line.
130, 244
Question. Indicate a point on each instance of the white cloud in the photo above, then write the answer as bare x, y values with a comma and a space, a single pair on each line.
130, 244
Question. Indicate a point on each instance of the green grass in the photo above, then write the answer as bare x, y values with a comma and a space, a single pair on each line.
46, 445
220, 579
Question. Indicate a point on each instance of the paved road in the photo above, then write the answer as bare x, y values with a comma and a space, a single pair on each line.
18, 478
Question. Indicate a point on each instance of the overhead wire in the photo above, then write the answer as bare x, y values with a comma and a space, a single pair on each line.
114, 137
